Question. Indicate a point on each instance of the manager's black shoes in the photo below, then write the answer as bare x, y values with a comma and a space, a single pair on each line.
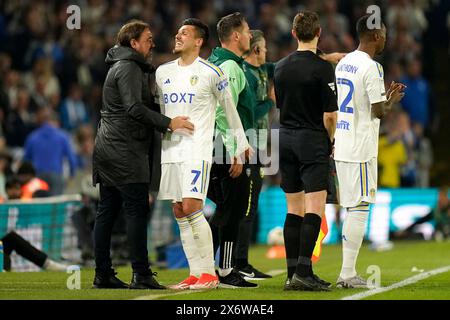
108, 281
145, 281
308, 283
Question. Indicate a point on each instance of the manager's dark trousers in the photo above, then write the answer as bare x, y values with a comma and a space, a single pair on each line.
134, 199
246, 225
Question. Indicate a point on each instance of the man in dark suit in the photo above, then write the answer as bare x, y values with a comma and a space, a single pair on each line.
121, 155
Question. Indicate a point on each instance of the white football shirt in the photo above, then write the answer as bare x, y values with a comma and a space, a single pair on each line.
195, 91
360, 84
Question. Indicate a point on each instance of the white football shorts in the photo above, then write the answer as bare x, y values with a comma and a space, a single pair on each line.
180, 180
357, 182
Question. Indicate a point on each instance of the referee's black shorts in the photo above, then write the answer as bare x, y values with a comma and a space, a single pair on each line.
304, 160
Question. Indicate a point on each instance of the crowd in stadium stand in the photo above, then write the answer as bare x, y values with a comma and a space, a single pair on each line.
51, 77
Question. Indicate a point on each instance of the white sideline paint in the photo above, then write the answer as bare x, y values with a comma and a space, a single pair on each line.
400, 284
273, 273
276, 272
157, 296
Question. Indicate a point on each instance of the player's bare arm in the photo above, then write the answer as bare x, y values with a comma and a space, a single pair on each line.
329, 121
393, 86
235, 168
334, 57
394, 94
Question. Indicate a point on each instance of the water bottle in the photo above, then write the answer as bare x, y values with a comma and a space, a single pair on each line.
1, 256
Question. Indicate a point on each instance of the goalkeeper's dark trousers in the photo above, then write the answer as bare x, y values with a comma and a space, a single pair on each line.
134, 200
231, 197
246, 225
14, 242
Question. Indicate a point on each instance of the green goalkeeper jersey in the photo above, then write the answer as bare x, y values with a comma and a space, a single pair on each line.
258, 79
243, 96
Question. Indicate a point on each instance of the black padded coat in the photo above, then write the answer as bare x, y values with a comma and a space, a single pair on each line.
129, 118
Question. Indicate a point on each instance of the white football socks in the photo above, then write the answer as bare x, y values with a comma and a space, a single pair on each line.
51, 265
353, 231
189, 247
203, 240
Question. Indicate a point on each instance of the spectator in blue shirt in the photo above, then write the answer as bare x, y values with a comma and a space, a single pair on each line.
416, 101
47, 147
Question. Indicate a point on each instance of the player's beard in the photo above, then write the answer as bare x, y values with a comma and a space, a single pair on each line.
179, 49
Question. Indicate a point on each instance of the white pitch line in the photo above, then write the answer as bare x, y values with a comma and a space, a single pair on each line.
157, 296
33, 282
400, 284
276, 272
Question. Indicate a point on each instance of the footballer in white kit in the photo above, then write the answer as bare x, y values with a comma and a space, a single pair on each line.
360, 83
195, 91
186, 160
192, 87
362, 101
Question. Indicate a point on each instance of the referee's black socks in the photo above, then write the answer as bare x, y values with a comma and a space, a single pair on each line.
308, 237
291, 233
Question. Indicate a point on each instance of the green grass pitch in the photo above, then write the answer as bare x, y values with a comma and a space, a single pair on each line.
395, 265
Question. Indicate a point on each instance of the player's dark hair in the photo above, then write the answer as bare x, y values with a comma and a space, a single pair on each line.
228, 24
131, 30
201, 28
362, 26
306, 25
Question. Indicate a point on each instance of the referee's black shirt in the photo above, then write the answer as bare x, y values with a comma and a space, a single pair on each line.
304, 89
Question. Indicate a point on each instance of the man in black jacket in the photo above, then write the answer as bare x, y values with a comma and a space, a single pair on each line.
121, 155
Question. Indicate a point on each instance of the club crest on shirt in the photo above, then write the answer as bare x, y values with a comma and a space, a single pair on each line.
194, 80
372, 192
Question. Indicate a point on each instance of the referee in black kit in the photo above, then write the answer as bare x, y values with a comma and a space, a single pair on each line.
305, 93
